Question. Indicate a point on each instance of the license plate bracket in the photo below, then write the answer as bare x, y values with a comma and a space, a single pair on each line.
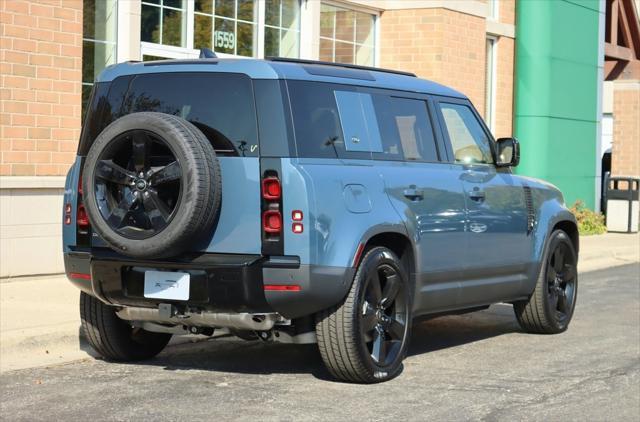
170, 285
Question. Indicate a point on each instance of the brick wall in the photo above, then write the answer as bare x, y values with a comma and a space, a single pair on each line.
437, 44
625, 154
40, 68
449, 47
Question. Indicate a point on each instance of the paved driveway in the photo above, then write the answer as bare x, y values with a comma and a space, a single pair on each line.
475, 366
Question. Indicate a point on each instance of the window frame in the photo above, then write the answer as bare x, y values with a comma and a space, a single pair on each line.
491, 82
439, 147
437, 100
340, 154
83, 83
359, 9
190, 52
161, 6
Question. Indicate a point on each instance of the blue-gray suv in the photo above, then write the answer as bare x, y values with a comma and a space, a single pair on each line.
302, 202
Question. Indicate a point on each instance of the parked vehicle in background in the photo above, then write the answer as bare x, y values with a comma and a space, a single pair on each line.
302, 202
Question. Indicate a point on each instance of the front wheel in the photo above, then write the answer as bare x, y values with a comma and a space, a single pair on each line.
365, 338
550, 307
114, 338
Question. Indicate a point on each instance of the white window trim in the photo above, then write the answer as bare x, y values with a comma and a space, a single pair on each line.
357, 8
309, 32
493, 10
490, 97
173, 52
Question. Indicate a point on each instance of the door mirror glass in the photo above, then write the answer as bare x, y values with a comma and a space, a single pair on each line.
508, 152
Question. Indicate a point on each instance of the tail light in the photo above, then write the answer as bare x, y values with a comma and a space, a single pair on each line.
272, 221
67, 214
272, 224
271, 189
82, 218
83, 226
297, 216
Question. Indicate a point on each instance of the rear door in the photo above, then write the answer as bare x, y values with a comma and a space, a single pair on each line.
222, 106
498, 248
427, 193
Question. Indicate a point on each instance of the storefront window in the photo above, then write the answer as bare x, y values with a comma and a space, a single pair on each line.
282, 28
164, 22
226, 26
99, 27
346, 36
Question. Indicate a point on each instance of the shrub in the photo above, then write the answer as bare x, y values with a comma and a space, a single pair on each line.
589, 222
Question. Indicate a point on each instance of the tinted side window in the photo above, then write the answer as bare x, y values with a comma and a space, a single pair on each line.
359, 124
105, 107
220, 105
316, 120
468, 139
406, 129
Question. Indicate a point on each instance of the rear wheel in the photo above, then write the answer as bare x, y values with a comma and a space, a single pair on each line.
365, 338
114, 338
550, 307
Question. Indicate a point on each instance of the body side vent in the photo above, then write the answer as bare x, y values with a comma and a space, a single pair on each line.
531, 212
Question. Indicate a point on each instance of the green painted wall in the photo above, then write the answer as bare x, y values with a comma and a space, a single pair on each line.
556, 97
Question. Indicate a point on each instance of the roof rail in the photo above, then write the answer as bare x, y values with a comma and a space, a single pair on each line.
349, 66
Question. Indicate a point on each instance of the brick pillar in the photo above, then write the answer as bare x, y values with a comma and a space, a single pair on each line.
41, 65
625, 151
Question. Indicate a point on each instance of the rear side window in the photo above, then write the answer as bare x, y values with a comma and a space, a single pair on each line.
339, 121
316, 120
406, 129
358, 119
221, 105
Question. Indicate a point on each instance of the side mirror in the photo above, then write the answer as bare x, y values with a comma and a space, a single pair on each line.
508, 151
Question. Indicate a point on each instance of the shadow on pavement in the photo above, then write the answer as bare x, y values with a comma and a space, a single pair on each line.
232, 355
457, 330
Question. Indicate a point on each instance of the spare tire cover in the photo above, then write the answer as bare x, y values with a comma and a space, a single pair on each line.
152, 185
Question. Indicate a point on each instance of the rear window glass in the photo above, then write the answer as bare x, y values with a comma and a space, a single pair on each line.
221, 105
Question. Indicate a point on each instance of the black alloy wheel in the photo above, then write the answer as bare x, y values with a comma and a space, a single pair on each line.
365, 338
138, 184
561, 282
384, 315
152, 186
550, 307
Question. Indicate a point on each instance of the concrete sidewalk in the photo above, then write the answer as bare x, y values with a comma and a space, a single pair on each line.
40, 323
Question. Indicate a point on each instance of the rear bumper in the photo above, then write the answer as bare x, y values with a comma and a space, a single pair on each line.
219, 282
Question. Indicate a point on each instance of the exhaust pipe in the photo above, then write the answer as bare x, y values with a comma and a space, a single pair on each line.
162, 315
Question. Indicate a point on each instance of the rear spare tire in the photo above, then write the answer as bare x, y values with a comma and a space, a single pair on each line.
151, 185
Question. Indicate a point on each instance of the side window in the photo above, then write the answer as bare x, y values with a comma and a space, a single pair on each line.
359, 125
333, 121
468, 139
316, 120
406, 129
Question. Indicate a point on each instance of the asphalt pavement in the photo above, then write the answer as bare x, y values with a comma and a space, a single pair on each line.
477, 366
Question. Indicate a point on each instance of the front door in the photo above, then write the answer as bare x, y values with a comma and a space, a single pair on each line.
498, 248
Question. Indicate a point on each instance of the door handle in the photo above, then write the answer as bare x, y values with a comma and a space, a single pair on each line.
414, 194
477, 195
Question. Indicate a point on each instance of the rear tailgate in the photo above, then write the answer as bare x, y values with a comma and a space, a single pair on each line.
223, 107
